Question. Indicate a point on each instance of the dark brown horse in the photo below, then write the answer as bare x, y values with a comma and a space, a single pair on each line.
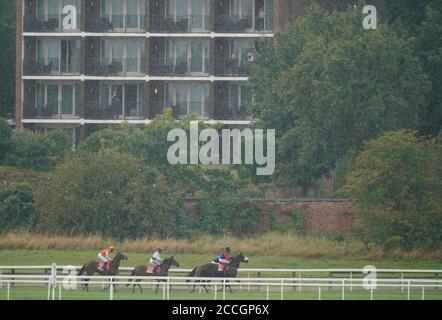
211, 270
141, 271
92, 267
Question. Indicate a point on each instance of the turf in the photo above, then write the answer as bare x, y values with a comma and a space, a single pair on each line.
24, 257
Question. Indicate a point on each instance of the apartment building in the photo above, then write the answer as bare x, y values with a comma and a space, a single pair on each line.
87, 64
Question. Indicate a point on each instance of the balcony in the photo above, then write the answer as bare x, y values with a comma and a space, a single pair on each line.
180, 24
185, 109
229, 24
48, 112
116, 23
114, 112
192, 67
231, 67
51, 23
51, 67
223, 111
114, 67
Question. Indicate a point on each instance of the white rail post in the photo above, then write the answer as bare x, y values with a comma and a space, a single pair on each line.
216, 291
423, 293
319, 293
59, 291
248, 285
300, 282
224, 289
343, 289
53, 279
9, 291
402, 282
371, 292
408, 290
268, 293
111, 294
282, 289
351, 281
164, 292
168, 289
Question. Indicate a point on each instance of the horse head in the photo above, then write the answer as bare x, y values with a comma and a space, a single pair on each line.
120, 256
171, 262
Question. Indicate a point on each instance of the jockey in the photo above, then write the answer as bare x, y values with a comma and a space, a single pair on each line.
104, 256
156, 260
224, 257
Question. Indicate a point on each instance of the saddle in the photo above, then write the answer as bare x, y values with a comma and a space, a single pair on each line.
106, 267
152, 269
223, 267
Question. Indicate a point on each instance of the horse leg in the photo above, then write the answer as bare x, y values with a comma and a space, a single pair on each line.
194, 286
204, 286
139, 286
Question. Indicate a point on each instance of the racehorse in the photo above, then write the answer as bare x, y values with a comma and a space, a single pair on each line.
92, 267
141, 271
211, 270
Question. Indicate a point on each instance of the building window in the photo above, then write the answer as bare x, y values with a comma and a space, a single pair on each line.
123, 55
57, 100
186, 99
122, 100
196, 13
256, 14
59, 56
51, 11
123, 15
242, 51
240, 97
191, 55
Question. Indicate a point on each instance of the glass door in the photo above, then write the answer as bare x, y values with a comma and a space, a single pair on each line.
52, 98
117, 14
67, 100
130, 100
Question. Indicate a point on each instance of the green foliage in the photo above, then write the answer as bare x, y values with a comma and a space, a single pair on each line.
108, 193
37, 151
7, 58
5, 139
326, 85
16, 207
395, 186
428, 46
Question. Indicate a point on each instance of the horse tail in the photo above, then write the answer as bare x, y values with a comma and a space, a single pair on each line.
191, 274
81, 271
130, 280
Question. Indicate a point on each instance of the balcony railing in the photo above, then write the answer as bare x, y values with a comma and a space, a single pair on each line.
225, 23
51, 23
52, 66
116, 23
184, 109
114, 67
223, 111
114, 112
192, 23
231, 67
192, 67
47, 112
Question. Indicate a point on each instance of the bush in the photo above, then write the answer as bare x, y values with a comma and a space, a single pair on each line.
16, 207
111, 194
37, 151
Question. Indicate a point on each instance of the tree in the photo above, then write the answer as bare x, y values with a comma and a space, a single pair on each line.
428, 45
5, 139
395, 187
16, 207
7, 58
326, 85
